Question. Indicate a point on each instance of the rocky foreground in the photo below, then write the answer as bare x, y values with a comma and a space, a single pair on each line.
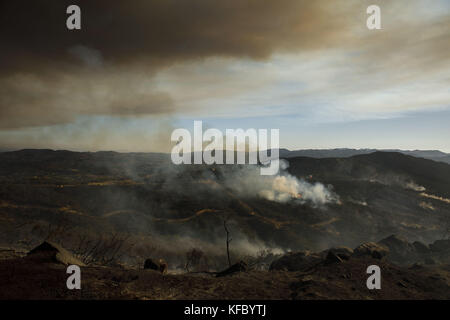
338, 273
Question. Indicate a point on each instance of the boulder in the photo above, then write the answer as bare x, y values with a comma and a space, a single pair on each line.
160, 266
400, 250
53, 253
298, 261
332, 258
241, 266
150, 264
440, 246
395, 242
421, 247
344, 253
371, 249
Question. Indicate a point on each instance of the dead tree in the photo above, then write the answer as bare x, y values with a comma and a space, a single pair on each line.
105, 250
228, 241
193, 258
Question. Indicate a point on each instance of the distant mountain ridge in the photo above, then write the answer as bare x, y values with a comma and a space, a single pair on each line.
435, 155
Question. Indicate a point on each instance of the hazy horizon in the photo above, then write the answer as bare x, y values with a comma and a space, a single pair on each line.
290, 150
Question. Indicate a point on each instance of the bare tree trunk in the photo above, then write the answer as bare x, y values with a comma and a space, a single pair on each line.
228, 241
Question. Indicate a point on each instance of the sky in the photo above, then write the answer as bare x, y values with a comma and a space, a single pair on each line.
137, 71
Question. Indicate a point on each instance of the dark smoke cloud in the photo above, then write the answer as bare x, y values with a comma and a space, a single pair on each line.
50, 75
163, 32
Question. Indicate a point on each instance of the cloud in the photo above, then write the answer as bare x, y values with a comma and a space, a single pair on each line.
29, 100
219, 58
162, 32
51, 75
90, 57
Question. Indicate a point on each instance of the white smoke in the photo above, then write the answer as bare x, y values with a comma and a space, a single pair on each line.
397, 180
413, 186
90, 57
283, 187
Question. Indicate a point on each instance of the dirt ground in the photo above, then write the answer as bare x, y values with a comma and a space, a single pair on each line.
23, 279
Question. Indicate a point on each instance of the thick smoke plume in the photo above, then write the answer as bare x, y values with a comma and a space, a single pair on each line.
284, 187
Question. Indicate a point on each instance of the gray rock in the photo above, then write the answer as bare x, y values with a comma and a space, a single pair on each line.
54, 253
241, 266
298, 261
396, 244
421, 247
440, 246
371, 249
150, 264
342, 252
400, 250
332, 258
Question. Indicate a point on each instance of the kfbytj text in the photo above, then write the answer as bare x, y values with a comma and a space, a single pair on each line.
235, 309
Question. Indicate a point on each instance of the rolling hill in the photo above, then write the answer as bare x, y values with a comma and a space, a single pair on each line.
175, 208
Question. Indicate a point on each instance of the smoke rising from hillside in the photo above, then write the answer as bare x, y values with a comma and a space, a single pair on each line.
281, 188
398, 180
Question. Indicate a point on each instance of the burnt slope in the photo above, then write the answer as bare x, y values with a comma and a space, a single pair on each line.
380, 194
347, 280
